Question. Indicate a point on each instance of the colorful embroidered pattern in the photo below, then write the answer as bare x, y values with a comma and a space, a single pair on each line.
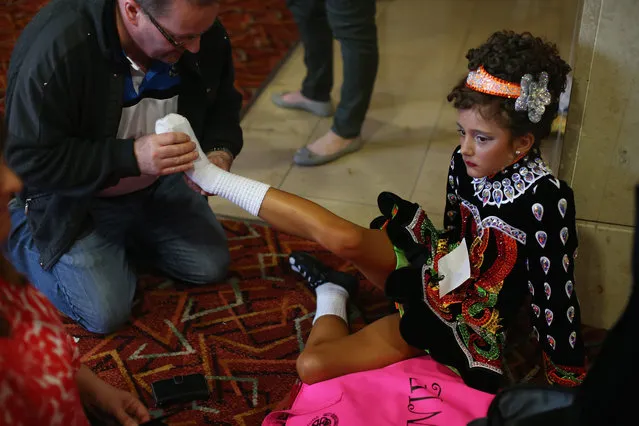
419, 226
476, 327
563, 375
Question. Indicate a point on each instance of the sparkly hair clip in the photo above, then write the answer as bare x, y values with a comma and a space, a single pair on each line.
532, 96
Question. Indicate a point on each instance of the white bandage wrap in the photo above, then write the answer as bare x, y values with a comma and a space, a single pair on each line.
245, 193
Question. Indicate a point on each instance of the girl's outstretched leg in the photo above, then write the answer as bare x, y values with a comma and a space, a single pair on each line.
371, 251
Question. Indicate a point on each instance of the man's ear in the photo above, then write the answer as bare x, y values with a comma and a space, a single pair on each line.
132, 12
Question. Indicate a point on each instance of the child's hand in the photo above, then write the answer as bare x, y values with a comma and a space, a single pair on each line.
121, 405
100, 396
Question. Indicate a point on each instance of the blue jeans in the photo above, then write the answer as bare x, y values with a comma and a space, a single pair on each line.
167, 226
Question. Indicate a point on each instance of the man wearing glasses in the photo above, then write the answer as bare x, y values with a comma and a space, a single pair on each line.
103, 194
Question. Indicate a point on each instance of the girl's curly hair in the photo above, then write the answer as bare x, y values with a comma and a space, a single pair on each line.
508, 55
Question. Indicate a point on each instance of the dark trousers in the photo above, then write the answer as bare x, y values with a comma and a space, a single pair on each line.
352, 23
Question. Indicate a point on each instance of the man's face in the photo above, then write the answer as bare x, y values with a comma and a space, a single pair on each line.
179, 28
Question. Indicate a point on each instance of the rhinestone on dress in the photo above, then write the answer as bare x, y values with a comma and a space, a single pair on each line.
549, 316
509, 192
563, 234
569, 289
545, 264
562, 205
538, 211
542, 237
485, 195
536, 310
497, 196
547, 290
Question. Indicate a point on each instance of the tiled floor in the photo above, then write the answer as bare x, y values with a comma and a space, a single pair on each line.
410, 128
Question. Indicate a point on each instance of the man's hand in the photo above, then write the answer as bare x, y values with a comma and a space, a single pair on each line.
165, 154
222, 159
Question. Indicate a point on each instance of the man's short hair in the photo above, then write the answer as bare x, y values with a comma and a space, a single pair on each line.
158, 7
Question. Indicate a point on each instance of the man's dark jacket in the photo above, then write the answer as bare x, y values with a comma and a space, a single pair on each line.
63, 106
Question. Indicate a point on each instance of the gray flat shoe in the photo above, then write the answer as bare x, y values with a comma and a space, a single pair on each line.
306, 157
321, 109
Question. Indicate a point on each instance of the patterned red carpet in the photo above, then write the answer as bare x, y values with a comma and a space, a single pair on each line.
262, 33
244, 334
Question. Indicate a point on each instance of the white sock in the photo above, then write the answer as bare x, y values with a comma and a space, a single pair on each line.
331, 300
244, 192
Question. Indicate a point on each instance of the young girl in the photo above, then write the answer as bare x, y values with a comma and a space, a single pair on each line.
41, 378
511, 220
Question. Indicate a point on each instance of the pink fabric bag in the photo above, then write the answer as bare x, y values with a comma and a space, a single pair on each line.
418, 391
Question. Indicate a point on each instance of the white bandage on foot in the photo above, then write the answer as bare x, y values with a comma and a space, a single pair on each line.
245, 193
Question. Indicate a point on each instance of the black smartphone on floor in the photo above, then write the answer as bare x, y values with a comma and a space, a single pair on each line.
180, 389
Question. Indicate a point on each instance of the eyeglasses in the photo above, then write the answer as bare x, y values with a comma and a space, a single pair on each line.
167, 35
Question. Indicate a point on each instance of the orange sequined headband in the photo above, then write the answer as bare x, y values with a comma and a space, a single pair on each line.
532, 96
481, 81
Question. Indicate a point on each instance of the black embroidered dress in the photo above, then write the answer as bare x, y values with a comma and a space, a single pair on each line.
519, 226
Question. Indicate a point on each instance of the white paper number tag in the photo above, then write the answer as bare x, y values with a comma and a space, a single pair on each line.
455, 267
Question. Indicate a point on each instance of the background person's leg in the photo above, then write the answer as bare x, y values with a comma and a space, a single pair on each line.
353, 25
317, 39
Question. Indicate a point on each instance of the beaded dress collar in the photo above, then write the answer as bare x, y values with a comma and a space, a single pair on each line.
509, 184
